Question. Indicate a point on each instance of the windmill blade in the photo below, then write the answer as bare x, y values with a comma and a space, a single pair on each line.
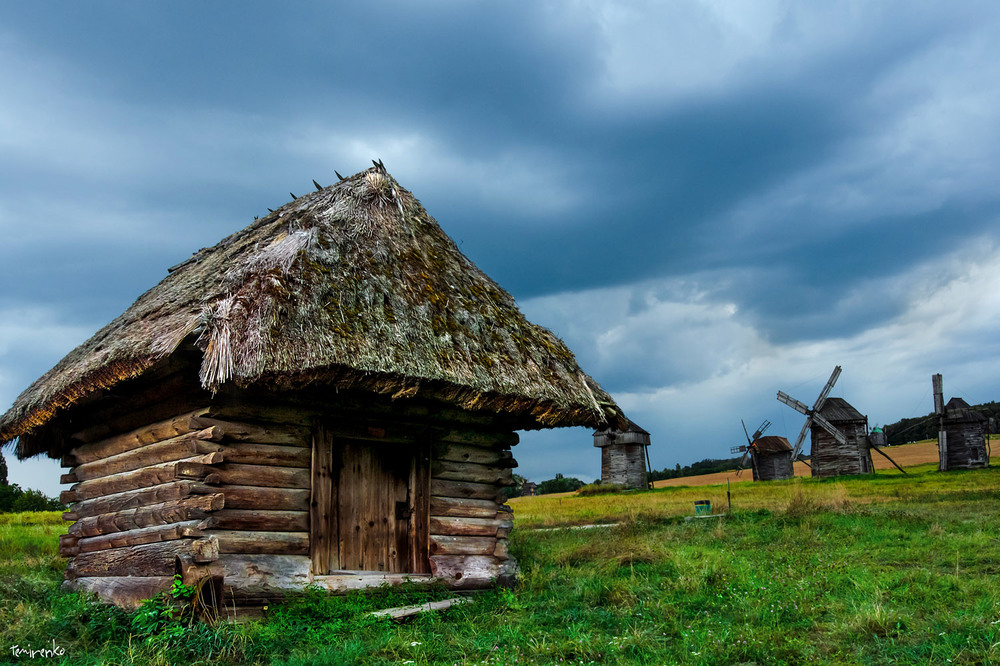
802, 438
743, 462
749, 441
830, 428
826, 389
793, 403
760, 430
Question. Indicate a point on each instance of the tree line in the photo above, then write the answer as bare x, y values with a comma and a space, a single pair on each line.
14, 499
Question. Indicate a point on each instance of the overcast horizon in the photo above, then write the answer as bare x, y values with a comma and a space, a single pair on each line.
708, 202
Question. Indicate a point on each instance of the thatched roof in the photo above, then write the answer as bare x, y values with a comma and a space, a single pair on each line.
353, 285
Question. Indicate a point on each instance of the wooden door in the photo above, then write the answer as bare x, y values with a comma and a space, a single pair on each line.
370, 508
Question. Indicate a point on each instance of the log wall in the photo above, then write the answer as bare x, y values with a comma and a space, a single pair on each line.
965, 444
227, 488
772, 465
624, 465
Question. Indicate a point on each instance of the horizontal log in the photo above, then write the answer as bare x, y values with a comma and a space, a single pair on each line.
251, 453
153, 559
68, 497
184, 446
466, 489
403, 612
140, 536
348, 581
68, 478
124, 591
264, 575
163, 513
147, 434
501, 550
263, 475
482, 438
454, 452
255, 497
132, 499
235, 431
68, 551
455, 526
242, 411
139, 478
464, 572
262, 543
462, 545
466, 471
261, 520
469, 508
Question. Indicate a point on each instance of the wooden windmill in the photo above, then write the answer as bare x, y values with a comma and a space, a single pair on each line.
840, 442
962, 432
770, 457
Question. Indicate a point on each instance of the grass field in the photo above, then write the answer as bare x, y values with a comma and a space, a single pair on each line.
889, 569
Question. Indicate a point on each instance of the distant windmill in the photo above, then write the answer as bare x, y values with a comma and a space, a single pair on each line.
624, 456
840, 443
962, 432
770, 457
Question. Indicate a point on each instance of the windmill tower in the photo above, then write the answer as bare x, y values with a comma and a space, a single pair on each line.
624, 458
962, 432
839, 433
770, 457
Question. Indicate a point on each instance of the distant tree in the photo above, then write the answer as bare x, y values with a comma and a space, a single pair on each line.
559, 484
3, 470
31, 500
9, 492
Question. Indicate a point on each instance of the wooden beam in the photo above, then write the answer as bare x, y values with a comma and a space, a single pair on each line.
162, 513
455, 526
467, 490
883, 454
475, 472
140, 478
154, 559
140, 536
196, 443
260, 520
132, 499
463, 507
404, 612
251, 453
235, 431
459, 453
147, 434
124, 591
267, 476
462, 545
466, 572
255, 497
262, 543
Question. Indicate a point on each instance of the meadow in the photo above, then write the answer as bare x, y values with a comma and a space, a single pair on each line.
889, 569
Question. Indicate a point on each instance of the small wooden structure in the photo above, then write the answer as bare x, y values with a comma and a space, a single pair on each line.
832, 457
771, 458
624, 458
962, 432
326, 397
838, 432
529, 489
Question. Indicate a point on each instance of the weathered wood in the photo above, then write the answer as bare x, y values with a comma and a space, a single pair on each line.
454, 452
242, 411
456, 526
125, 591
468, 490
260, 520
140, 536
263, 575
420, 497
163, 513
251, 453
466, 471
267, 476
68, 478
464, 572
481, 438
346, 581
68, 545
154, 559
324, 533
147, 434
462, 545
459, 507
235, 431
140, 478
132, 499
68, 497
254, 497
262, 543
199, 442
404, 612
502, 549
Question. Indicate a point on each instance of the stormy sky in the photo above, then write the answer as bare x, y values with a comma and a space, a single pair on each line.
708, 201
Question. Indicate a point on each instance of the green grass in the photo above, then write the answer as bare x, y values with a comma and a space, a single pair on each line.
889, 569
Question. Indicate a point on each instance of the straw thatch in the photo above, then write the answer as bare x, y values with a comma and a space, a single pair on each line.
354, 285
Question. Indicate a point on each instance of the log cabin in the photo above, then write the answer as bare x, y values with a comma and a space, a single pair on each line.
830, 457
328, 397
771, 458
